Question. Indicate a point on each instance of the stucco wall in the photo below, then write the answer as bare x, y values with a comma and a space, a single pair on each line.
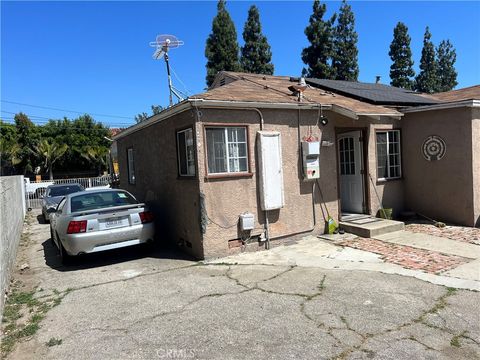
227, 198
174, 200
12, 214
476, 164
442, 189
390, 192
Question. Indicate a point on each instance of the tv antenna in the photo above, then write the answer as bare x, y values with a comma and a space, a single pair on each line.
163, 43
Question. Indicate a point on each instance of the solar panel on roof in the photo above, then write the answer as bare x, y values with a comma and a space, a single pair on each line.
375, 93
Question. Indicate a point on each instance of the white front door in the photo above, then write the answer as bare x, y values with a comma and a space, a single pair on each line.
351, 174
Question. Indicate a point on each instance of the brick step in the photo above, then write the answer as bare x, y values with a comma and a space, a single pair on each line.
369, 226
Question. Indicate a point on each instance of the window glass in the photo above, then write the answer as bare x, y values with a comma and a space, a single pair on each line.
227, 150
185, 152
388, 154
131, 166
63, 190
97, 200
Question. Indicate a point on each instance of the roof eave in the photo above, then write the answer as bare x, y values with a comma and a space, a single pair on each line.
441, 106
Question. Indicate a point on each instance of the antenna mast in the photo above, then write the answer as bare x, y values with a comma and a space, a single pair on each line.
163, 43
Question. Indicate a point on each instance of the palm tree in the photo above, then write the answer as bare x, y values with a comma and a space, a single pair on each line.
97, 155
10, 153
50, 152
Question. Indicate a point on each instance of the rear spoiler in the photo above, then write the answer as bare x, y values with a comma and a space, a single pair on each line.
101, 210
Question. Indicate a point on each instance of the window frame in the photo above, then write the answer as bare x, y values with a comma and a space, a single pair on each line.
248, 172
400, 164
131, 169
179, 173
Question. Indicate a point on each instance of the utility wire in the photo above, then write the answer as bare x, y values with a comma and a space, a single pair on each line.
65, 110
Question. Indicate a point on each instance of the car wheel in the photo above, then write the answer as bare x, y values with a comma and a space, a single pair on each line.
64, 257
51, 236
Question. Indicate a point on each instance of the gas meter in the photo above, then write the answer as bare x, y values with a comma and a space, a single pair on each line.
311, 159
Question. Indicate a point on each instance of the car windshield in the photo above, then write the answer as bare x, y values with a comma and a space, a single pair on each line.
63, 190
99, 200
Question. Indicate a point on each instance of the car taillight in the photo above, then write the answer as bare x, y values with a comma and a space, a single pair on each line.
75, 227
146, 217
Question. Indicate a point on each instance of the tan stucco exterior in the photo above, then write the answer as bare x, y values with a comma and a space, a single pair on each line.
446, 189
175, 200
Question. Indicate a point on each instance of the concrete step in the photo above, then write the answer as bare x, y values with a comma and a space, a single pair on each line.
368, 226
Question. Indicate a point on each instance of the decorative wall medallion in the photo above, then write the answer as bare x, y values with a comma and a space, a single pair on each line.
434, 148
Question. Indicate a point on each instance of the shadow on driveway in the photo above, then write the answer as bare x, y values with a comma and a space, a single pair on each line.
110, 257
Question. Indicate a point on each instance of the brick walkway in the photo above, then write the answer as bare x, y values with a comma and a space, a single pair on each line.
407, 256
458, 233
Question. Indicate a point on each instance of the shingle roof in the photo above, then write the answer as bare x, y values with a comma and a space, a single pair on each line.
274, 89
374, 93
468, 93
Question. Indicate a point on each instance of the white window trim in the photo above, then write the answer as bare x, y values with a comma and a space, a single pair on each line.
388, 155
186, 153
228, 157
131, 169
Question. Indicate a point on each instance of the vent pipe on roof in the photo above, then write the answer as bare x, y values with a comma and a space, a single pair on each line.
377, 79
299, 88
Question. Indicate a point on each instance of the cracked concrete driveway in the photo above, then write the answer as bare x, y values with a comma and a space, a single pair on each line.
132, 304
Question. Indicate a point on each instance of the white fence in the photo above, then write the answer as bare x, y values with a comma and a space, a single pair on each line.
34, 191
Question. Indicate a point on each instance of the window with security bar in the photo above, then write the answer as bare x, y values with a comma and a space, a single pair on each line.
389, 164
227, 150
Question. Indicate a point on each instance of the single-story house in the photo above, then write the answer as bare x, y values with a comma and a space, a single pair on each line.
260, 157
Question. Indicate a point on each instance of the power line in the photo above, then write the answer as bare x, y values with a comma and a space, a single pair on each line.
65, 110
10, 121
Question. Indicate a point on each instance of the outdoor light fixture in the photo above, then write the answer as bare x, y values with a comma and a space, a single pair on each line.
323, 120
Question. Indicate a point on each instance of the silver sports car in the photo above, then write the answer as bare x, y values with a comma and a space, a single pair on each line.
97, 220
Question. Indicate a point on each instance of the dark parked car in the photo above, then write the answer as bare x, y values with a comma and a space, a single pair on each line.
54, 194
98, 220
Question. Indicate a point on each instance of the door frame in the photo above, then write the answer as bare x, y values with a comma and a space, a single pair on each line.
364, 147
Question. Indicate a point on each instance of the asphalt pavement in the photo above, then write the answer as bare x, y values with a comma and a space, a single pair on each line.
141, 304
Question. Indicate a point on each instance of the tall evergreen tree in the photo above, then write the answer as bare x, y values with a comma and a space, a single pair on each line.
221, 50
401, 71
426, 80
27, 136
345, 52
446, 73
256, 54
318, 56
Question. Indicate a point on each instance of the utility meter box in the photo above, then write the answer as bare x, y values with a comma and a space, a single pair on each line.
311, 159
247, 221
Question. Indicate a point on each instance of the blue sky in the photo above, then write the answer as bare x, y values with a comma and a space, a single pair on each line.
94, 57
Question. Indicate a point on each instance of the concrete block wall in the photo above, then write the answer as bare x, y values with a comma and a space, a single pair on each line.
12, 215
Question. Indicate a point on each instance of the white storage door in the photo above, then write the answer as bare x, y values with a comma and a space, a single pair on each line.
270, 170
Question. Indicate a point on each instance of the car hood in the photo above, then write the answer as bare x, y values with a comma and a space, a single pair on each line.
53, 201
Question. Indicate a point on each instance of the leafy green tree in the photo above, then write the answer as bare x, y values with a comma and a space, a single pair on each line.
96, 155
427, 81
221, 49
345, 52
256, 55
401, 70
9, 154
27, 137
78, 133
156, 109
50, 152
446, 73
141, 117
318, 56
